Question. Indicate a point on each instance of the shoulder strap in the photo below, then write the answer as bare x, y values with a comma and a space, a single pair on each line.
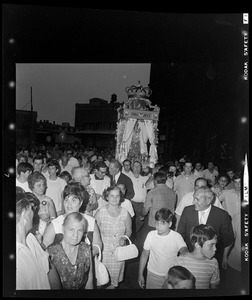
99, 256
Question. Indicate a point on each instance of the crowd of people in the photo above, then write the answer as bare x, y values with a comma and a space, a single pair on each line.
70, 198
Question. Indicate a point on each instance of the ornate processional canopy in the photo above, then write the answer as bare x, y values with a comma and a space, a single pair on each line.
136, 126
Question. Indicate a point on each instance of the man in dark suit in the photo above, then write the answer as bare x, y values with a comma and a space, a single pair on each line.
115, 171
203, 212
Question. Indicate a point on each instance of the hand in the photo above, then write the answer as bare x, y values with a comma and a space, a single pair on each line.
224, 263
183, 251
122, 241
141, 281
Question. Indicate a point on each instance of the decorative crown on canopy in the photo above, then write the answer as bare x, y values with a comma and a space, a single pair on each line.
138, 92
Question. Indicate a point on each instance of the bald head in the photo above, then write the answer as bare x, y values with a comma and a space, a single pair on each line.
200, 182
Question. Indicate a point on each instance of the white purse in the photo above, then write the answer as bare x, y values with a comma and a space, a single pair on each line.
101, 272
126, 252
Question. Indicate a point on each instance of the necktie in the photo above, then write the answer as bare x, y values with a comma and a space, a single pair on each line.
113, 182
202, 217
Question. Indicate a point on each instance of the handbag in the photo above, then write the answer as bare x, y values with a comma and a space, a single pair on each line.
101, 272
126, 252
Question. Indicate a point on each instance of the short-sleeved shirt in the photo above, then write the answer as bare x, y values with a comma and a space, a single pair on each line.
205, 271
159, 197
231, 201
163, 250
23, 185
29, 274
184, 184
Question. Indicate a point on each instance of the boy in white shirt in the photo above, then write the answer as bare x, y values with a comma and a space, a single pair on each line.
161, 247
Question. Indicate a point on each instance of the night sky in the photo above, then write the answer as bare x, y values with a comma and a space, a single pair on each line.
56, 88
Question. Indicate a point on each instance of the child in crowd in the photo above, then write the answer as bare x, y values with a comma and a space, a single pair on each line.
220, 186
179, 278
201, 262
66, 176
161, 247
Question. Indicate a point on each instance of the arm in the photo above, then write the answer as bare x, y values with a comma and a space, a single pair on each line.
52, 209
165, 284
183, 251
142, 263
226, 252
181, 228
130, 193
147, 204
128, 230
96, 239
93, 204
149, 182
53, 277
90, 283
48, 236
215, 280
128, 224
177, 221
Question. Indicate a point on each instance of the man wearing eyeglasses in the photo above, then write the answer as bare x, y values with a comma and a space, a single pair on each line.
72, 160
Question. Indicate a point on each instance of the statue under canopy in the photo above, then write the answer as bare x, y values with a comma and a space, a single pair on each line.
137, 127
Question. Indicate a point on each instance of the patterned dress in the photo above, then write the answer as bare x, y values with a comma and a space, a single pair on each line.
111, 231
73, 277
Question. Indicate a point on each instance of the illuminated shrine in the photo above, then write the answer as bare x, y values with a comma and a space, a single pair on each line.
137, 127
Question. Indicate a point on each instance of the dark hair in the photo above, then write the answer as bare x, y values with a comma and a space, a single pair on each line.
201, 233
38, 157
20, 155
35, 177
100, 164
19, 190
126, 160
164, 214
78, 190
24, 167
65, 174
35, 207
179, 273
111, 188
54, 162
22, 203
237, 175
224, 175
160, 177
